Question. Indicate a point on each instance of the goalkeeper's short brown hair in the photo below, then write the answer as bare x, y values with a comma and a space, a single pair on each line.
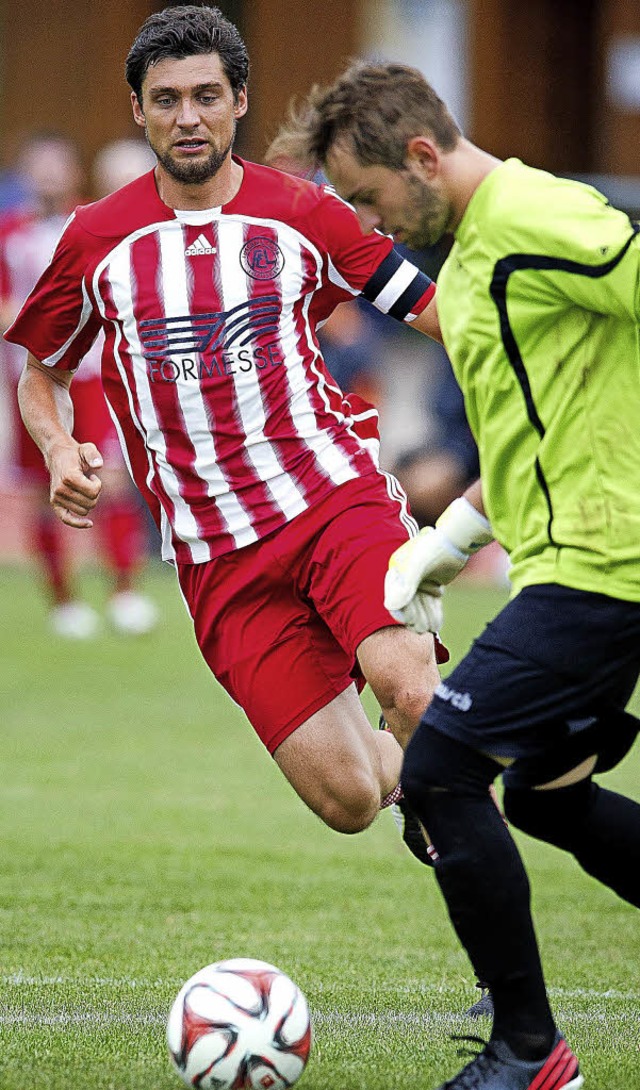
374, 109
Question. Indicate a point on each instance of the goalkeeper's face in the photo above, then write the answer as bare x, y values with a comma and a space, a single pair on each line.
399, 202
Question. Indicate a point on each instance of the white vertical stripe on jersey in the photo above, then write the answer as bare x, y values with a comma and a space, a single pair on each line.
117, 356
185, 526
262, 454
177, 304
338, 279
335, 464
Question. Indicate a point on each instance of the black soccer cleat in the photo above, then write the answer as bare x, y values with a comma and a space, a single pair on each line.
496, 1068
483, 1007
411, 832
408, 825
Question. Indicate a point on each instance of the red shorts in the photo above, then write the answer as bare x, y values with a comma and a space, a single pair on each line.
279, 622
91, 424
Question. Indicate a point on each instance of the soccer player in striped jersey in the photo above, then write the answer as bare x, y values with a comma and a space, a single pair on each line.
539, 303
209, 278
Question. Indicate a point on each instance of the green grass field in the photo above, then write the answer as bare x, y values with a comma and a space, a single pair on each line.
145, 833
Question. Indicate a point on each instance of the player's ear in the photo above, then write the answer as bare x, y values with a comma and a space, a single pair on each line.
423, 157
241, 104
138, 115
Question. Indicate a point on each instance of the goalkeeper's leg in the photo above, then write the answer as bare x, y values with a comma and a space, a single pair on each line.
600, 828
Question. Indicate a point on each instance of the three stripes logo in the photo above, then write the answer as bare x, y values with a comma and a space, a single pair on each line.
163, 337
200, 247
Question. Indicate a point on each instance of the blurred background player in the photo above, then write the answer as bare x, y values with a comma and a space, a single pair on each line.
52, 176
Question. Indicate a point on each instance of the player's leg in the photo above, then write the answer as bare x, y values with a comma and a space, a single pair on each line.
483, 881
118, 518
68, 616
401, 669
599, 827
280, 662
527, 685
338, 766
343, 575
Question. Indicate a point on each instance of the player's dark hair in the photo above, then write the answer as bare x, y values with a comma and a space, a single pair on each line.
187, 30
376, 109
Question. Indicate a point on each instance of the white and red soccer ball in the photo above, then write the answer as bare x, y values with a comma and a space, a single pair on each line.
239, 1025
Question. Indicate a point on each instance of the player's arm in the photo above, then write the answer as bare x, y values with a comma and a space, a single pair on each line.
427, 322
47, 411
420, 568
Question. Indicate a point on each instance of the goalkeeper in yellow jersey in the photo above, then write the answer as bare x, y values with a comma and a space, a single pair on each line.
539, 304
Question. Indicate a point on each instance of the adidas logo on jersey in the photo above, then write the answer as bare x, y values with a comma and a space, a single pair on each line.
199, 247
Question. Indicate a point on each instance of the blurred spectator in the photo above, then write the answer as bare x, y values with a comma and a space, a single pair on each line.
120, 162
50, 166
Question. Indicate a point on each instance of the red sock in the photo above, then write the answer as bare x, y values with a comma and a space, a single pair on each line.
46, 536
122, 531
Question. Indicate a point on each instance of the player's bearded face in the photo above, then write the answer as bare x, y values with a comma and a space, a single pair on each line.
193, 172
425, 214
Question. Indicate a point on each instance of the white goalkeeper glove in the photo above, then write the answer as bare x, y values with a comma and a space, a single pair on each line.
419, 568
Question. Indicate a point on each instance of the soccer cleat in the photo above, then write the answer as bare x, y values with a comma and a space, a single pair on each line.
483, 1007
407, 823
411, 832
496, 1068
131, 614
74, 621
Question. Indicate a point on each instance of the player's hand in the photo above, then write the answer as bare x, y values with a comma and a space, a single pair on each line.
413, 583
75, 484
420, 568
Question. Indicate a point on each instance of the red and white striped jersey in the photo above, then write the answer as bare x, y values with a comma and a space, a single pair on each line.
229, 420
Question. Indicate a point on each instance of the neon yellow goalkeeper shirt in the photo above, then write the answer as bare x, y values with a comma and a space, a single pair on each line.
539, 303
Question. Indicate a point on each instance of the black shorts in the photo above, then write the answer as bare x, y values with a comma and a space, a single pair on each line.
547, 684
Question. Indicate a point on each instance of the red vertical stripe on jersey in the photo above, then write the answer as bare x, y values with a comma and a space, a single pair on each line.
326, 398
221, 402
115, 390
298, 460
148, 302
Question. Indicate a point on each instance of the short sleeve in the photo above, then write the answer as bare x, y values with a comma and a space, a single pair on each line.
369, 265
58, 323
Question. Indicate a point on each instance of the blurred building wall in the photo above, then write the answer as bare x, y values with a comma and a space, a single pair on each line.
62, 64
541, 82
556, 81
63, 67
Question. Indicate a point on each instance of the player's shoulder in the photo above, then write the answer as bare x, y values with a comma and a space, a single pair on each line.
129, 209
287, 197
528, 210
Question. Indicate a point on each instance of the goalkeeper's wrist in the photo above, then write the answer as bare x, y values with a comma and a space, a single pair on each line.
464, 527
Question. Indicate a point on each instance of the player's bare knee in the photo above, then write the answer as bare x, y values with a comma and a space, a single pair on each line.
351, 810
403, 705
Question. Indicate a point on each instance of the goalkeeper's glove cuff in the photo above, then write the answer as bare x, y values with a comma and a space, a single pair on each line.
465, 529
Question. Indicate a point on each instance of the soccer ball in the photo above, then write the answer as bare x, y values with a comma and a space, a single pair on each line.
239, 1025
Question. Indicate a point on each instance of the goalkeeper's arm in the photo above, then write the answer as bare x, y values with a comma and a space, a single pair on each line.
419, 568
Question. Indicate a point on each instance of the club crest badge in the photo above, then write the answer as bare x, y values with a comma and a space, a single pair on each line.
262, 259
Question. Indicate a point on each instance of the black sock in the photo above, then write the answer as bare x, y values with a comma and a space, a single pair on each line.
599, 827
484, 884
